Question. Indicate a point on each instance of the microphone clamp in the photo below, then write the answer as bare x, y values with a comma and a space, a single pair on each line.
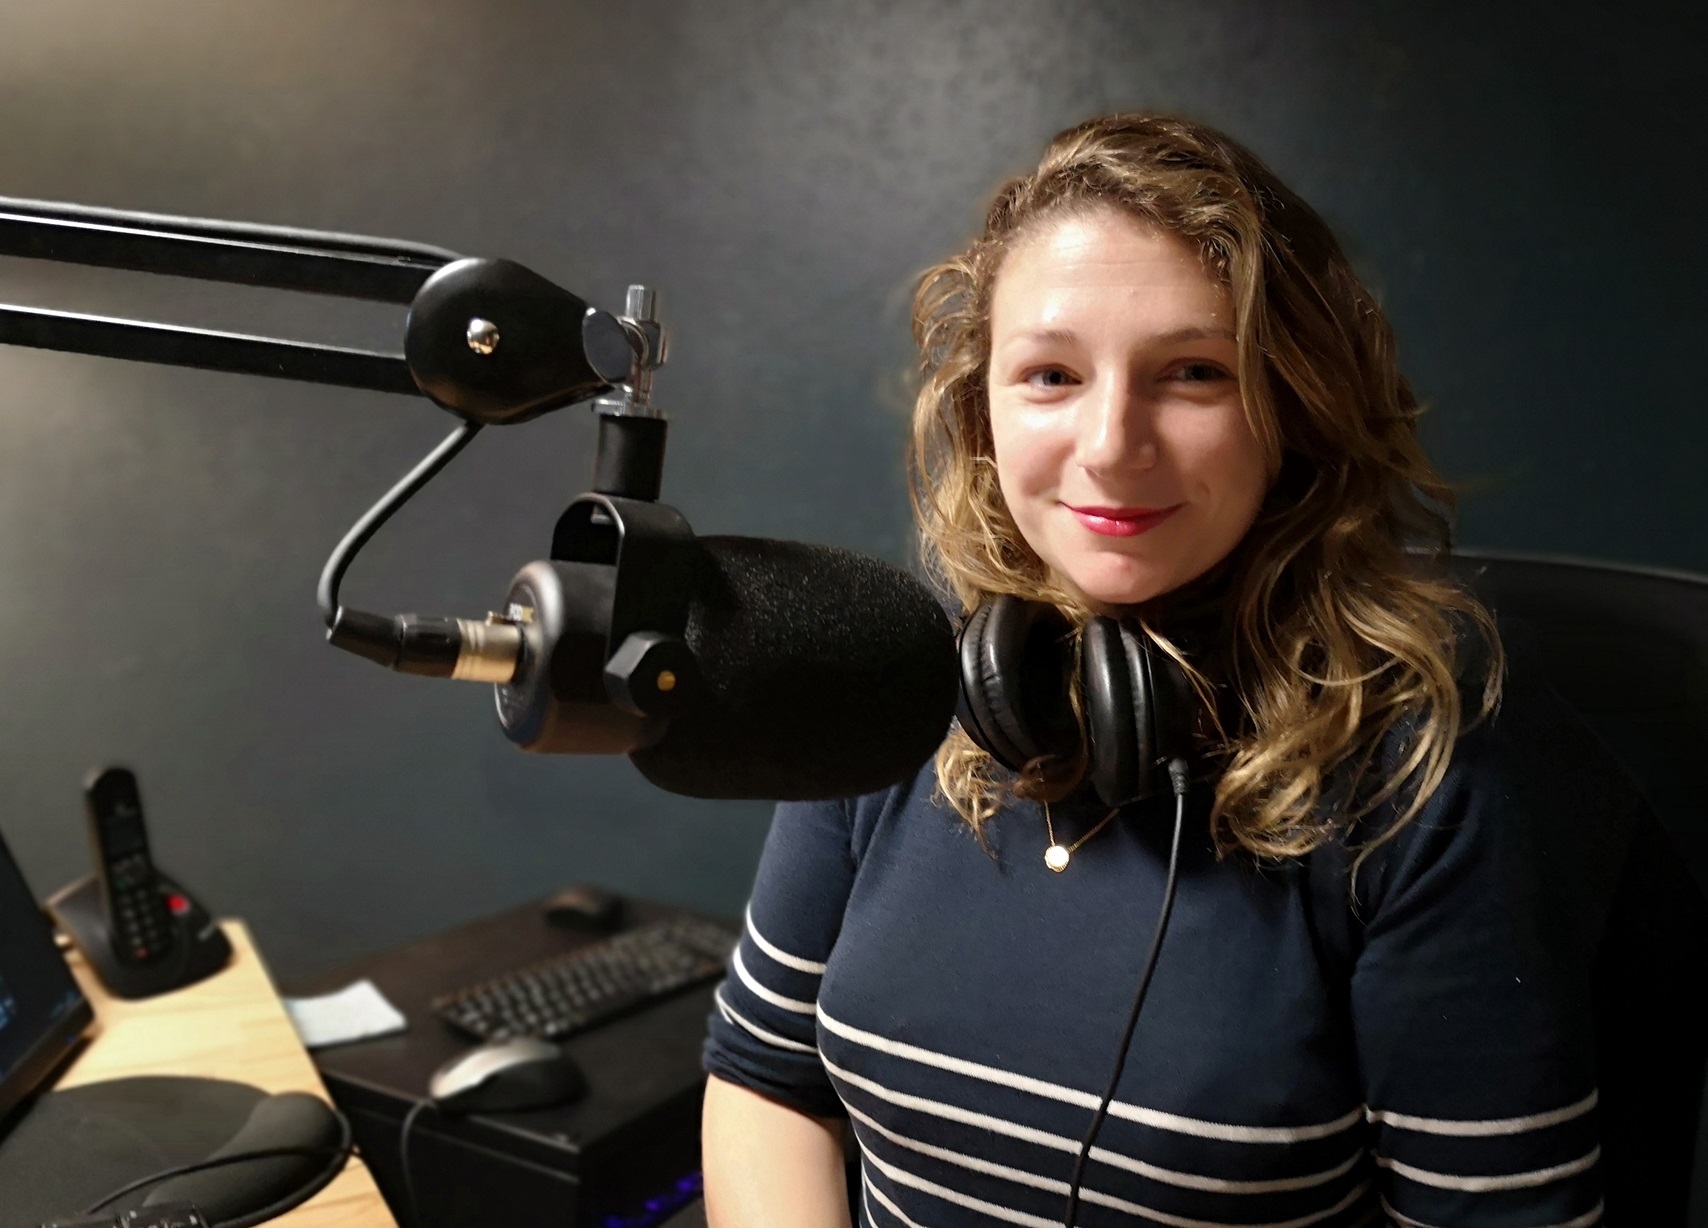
625, 350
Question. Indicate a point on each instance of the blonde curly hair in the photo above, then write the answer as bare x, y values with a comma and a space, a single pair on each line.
1333, 625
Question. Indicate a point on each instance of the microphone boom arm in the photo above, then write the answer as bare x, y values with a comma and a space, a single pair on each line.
486, 339
274, 257
588, 655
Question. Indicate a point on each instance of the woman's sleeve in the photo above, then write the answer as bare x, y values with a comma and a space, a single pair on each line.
763, 1033
1472, 996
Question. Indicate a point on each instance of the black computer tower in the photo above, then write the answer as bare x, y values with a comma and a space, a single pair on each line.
625, 1156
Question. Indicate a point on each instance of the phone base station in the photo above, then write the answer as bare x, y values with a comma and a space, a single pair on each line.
198, 948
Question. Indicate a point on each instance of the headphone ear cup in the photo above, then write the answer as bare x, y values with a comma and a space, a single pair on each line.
1139, 708
973, 707
1011, 684
1174, 720
1112, 719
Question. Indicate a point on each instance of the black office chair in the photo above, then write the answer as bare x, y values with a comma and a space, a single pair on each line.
1628, 648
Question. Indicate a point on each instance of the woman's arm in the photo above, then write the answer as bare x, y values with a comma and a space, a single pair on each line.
1473, 999
769, 1166
772, 1126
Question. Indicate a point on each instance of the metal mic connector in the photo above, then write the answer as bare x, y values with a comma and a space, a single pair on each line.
432, 645
490, 650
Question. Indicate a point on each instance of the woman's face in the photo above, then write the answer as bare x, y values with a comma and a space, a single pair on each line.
1122, 446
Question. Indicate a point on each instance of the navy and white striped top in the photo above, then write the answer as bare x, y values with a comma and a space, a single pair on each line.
962, 1009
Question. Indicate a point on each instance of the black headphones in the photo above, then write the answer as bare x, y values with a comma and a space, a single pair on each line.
1017, 661
1017, 667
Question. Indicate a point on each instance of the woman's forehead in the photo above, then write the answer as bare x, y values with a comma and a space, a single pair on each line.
1099, 268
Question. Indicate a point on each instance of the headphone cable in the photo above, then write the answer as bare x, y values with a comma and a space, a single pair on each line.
1178, 779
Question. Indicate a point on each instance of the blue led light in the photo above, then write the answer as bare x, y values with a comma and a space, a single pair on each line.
659, 1208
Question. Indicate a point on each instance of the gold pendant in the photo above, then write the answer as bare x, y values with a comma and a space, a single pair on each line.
1056, 857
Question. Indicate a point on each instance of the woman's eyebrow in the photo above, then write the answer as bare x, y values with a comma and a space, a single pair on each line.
1198, 334
1065, 336
1062, 336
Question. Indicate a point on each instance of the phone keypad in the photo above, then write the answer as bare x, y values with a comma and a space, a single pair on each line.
142, 927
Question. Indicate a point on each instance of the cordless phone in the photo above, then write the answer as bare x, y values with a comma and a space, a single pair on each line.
140, 931
132, 898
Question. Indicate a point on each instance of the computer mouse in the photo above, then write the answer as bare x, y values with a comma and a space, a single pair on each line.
507, 1075
586, 908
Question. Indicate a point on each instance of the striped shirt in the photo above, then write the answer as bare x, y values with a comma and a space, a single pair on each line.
961, 1007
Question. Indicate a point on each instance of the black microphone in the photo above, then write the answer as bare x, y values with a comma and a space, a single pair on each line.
795, 671
822, 673
728, 667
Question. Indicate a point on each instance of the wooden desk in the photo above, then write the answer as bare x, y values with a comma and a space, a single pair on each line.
229, 1026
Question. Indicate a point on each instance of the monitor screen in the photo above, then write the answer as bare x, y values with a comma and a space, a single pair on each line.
42, 1011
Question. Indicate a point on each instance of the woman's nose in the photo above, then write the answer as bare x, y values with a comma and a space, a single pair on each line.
1116, 428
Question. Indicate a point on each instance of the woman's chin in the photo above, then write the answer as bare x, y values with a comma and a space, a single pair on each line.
1114, 584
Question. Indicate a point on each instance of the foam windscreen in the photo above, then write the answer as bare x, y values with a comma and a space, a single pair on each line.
827, 674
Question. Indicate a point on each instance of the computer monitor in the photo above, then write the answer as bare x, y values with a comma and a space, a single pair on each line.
42, 1011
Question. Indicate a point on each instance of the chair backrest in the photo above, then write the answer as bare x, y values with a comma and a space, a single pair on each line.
1628, 648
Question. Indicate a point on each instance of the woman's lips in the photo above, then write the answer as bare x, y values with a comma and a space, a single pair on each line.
1122, 521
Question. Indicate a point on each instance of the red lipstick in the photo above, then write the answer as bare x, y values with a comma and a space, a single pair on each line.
1122, 521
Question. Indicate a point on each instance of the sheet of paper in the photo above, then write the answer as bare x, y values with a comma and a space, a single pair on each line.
356, 1012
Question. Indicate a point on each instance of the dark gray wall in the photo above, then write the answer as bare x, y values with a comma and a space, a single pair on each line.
1522, 185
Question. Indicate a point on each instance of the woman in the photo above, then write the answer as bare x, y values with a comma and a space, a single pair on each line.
1153, 388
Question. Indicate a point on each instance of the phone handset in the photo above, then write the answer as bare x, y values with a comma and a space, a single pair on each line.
138, 919
139, 931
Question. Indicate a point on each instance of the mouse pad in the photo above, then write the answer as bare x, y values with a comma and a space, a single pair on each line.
74, 1146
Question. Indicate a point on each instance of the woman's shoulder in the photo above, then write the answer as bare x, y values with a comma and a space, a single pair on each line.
1531, 801
870, 816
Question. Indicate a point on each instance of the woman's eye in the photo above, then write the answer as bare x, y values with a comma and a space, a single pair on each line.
1201, 372
1049, 377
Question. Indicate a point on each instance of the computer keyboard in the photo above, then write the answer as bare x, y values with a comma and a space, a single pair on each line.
572, 992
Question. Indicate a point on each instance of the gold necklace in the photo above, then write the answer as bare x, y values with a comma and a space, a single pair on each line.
1056, 857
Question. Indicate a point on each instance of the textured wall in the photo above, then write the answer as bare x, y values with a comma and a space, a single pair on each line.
1525, 195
